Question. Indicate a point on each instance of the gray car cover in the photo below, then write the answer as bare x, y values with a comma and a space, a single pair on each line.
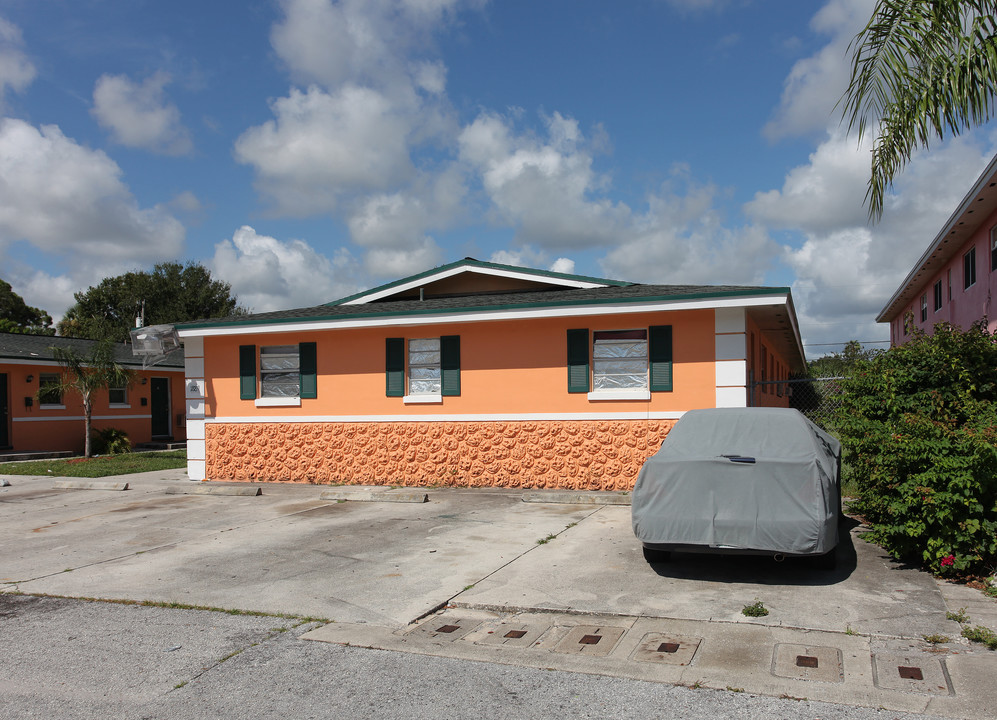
760, 479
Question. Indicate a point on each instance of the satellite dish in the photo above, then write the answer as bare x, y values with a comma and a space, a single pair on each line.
154, 343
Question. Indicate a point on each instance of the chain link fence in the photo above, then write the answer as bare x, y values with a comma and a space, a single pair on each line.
817, 398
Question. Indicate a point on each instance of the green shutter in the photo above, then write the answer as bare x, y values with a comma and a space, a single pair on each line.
394, 364
450, 364
578, 361
247, 372
308, 367
660, 357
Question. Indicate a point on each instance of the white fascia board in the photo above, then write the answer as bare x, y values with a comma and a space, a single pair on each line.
363, 300
493, 417
594, 310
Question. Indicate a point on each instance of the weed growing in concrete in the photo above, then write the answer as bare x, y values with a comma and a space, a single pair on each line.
734, 689
849, 631
981, 634
755, 609
936, 639
179, 685
544, 541
960, 616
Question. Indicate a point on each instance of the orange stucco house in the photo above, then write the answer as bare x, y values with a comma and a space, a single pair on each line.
33, 420
477, 374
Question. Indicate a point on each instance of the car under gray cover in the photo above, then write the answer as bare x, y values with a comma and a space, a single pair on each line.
741, 480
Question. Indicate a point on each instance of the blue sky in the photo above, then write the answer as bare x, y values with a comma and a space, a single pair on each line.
307, 149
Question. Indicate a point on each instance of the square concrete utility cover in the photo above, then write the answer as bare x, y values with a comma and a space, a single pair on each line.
668, 649
911, 673
808, 662
517, 635
445, 628
595, 640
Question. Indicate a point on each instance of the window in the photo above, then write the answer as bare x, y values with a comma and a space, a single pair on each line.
949, 283
993, 248
433, 368
938, 296
287, 373
924, 307
625, 364
619, 360
117, 395
48, 389
765, 362
969, 269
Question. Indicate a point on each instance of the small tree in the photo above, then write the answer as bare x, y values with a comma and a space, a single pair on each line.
85, 376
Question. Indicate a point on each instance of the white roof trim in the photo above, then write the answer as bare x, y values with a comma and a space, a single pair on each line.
486, 315
442, 275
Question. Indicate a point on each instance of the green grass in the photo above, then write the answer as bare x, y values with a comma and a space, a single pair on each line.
99, 466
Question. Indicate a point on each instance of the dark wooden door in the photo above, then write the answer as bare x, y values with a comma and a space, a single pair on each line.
160, 407
4, 412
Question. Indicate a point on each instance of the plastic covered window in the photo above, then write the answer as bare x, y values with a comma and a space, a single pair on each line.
619, 360
279, 371
424, 366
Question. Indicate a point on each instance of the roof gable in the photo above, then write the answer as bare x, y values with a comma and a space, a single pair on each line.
469, 277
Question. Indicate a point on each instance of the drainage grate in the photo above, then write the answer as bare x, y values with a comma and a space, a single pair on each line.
515, 634
808, 662
588, 640
666, 649
447, 628
910, 673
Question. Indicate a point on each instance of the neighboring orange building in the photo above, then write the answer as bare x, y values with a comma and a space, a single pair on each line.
476, 374
151, 408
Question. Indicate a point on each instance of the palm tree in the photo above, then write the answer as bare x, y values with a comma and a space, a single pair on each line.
921, 70
86, 375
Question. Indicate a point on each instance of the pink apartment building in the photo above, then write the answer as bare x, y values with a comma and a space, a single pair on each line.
955, 279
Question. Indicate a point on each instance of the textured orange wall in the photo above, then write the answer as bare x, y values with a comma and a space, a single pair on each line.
576, 455
514, 366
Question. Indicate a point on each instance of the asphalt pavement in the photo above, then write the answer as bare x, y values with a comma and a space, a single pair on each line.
530, 589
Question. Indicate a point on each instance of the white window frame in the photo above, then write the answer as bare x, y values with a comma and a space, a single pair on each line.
619, 393
272, 352
122, 404
418, 348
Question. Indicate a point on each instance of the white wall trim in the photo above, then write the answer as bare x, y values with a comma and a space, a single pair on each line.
730, 347
732, 373
275, 402
729, 320
497, 417
196, 469
489, 315
195, 430
732, 397
621, 394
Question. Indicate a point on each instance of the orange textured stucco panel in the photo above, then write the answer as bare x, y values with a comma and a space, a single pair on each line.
571, 455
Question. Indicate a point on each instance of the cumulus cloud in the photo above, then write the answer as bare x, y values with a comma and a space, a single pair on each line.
815, 83
269, 274
16, 70
546, 187
846, 269
61, 197
323, 146
138, 114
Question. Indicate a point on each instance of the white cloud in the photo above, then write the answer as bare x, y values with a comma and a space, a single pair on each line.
545, 188
322, 147
815, 83
16, 70
395, 263
268, 274
138, 114
63, 198
846, 269
563, 265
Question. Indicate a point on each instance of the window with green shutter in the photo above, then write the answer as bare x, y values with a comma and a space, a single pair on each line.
578, 360
660, 357
247, 372
394, 364
450, 364
308, 363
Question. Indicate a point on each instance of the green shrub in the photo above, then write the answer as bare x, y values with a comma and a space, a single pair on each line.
110, 441
918, 425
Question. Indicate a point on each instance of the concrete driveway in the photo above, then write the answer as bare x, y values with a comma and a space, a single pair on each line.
488, 557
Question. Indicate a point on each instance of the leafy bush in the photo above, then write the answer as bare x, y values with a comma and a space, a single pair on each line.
919, 428
110, 441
